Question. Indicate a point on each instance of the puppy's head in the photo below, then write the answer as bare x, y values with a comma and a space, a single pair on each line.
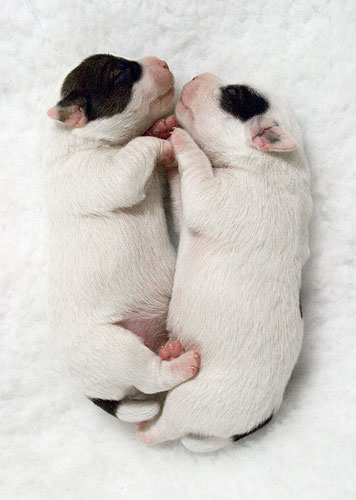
112, 98
228, 121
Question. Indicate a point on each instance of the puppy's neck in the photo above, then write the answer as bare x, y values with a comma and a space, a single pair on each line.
116, 130
73, 140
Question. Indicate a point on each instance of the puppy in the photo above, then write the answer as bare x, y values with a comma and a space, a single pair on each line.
244, 240
111, 262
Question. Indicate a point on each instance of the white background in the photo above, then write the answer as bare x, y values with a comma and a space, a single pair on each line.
54, 443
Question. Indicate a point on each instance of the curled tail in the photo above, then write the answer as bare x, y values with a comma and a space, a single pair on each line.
129, 410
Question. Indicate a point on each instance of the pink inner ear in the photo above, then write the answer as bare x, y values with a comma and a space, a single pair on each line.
266, 135
73, 116
53, 113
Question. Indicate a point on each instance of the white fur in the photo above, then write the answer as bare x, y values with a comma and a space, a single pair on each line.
244, 240
54, 443
110, 256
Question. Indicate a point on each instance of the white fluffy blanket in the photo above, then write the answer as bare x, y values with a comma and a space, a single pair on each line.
54, 443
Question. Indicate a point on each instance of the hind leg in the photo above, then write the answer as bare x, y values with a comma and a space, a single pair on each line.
111, 360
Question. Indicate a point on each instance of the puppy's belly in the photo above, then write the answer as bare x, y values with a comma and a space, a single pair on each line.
151, 330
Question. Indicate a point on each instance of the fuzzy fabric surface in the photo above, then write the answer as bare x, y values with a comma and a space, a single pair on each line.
54, 443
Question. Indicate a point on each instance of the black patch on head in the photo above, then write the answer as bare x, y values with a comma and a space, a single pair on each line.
108, 405
236, 437
101, 85
242, 101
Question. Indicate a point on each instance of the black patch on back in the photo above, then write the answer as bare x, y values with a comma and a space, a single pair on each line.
108, 405
236, 437
300, 305
242, 101
101, 85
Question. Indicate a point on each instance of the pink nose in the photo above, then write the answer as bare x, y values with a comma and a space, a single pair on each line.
163, 64
155, 61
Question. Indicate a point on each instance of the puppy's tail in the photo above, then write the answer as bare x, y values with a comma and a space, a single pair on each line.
129, 410
199, 444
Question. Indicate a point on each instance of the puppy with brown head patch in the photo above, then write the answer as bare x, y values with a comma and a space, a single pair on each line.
111, 262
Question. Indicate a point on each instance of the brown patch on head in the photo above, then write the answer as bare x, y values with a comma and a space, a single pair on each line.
101, 85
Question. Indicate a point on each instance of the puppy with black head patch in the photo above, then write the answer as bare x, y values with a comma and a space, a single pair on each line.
111, 262
242, 200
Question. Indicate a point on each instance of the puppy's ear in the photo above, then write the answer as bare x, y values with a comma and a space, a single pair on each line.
72, 110
265, 134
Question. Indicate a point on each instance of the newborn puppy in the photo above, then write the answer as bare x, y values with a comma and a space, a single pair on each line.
244, 240
111, 263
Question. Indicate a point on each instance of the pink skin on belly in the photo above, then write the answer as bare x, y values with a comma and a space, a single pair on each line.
154, 337
151, 330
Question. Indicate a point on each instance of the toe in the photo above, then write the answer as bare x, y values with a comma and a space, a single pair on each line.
170, 345
164, 353
178, 349
160, 126
195, 362
171, 122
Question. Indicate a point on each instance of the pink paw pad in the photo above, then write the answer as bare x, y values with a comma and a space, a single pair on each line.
145, 438
163, 128
187, 364
172, 349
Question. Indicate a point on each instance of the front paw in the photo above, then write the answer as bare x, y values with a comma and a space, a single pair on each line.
163, 127
167, 157
182, 141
